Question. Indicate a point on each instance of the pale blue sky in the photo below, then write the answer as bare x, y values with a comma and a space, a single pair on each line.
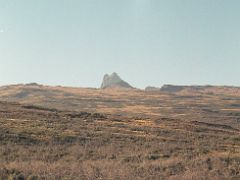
148, 42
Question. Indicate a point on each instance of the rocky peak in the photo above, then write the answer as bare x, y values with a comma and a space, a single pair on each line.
114, 80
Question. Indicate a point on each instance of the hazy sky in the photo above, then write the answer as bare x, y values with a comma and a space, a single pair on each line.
148, 42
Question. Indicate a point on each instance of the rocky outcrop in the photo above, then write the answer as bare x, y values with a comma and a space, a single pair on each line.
175, 88
172, 88
114, 80
151, 88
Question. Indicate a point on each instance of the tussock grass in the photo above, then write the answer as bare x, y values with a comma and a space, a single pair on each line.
102, 134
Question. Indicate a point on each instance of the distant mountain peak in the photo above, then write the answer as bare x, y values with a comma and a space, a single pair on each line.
114, 80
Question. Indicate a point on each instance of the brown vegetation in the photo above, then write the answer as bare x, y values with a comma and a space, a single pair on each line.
76, 133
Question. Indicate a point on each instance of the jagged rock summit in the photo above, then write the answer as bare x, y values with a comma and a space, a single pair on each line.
114, 80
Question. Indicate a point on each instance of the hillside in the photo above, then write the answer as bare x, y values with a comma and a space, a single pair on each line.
179, 89
63, 132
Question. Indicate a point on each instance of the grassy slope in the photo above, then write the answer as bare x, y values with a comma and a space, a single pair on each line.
127, 135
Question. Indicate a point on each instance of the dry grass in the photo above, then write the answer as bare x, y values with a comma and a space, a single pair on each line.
134, 135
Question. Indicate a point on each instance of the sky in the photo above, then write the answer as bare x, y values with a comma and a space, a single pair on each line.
147, 42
